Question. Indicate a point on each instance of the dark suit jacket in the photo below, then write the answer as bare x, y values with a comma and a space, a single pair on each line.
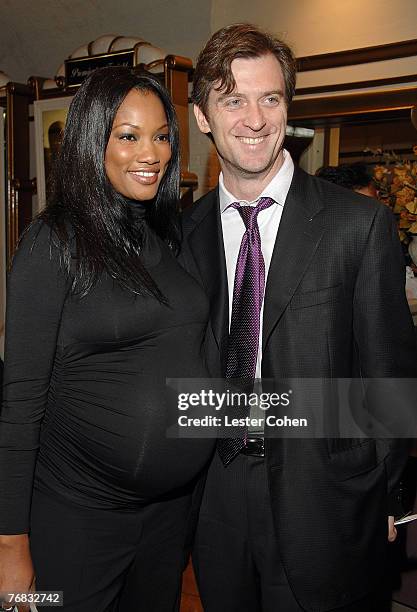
334, 307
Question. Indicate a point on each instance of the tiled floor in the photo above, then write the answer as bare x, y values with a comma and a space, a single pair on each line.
190, 601
396, 607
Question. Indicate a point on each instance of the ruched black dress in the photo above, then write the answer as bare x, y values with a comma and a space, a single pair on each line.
85, 461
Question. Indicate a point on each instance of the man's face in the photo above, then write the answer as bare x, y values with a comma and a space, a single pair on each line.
248, 125
369, 190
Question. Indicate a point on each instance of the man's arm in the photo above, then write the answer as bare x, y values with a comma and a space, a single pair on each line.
383, 329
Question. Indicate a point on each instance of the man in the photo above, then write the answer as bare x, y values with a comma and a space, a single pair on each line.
304, 279
351, 176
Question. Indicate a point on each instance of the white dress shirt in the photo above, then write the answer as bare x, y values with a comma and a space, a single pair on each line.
268, 222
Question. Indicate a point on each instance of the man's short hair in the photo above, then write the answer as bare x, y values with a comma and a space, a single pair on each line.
351, 176
240, 40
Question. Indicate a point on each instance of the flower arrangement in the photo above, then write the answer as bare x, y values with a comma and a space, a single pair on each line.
396, 181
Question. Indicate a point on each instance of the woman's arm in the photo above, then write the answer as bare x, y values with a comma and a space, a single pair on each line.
36, 293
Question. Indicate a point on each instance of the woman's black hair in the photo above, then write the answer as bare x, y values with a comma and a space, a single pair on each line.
100, 222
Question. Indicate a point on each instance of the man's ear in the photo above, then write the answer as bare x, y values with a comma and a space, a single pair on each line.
202, 122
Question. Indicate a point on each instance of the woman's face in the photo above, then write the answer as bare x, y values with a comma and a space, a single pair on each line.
138, 150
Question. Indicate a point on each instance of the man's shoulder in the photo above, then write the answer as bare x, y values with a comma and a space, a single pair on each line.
195, 213
204, 202
335, 200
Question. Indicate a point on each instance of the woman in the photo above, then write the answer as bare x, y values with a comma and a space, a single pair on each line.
99, 315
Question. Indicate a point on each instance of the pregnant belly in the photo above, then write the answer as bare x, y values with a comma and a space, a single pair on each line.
115, 442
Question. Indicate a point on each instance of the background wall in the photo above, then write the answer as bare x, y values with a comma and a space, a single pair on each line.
321, 26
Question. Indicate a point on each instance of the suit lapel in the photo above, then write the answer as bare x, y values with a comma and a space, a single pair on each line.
206, 244
299, 235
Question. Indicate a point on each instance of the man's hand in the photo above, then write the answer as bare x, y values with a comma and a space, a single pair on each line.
392, 531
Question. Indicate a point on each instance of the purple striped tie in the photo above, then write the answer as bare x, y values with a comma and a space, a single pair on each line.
248, 293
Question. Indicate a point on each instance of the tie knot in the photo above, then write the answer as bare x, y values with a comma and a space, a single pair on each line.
249, 214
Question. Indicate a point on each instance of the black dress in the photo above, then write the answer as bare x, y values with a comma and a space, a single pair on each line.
85, 418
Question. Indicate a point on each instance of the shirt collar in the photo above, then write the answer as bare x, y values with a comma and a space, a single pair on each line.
277, 189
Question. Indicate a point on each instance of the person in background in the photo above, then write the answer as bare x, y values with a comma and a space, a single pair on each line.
306, 281
351, 176
95, 498
51, 153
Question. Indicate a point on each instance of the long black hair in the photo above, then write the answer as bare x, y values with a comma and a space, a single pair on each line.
85, 211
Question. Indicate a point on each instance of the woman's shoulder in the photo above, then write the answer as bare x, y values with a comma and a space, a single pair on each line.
38, 263
39, 243
44, 233
39, 236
